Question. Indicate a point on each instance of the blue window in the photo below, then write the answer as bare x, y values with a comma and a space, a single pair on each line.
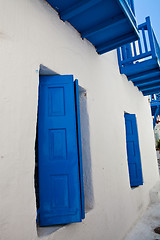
61, 198
133, 151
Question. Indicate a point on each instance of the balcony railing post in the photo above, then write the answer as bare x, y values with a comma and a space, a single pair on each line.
150, 35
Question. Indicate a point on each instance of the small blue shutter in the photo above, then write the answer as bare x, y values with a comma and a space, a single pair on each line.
59, 180
133, 151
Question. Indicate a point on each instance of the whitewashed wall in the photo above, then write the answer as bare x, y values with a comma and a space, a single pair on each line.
31, 34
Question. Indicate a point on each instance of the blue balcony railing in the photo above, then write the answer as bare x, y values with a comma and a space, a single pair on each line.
155, 107
107, 24
140, 60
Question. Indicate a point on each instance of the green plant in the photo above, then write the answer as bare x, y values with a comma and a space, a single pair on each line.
158, 144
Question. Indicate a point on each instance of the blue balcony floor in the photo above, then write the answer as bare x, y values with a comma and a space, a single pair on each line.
145, 75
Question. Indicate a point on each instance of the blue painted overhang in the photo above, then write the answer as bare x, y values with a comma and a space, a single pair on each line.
140, 60
155, 107
107, 24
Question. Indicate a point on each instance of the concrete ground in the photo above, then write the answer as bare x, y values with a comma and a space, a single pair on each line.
144, 229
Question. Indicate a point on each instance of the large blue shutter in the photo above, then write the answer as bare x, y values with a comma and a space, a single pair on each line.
59, 180
133, 151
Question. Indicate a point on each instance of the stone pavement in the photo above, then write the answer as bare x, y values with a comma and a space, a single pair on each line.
144, 229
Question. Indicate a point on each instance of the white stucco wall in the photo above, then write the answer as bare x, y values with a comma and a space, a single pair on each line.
31, 34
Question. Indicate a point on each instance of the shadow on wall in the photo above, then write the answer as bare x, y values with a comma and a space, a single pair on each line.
86, 153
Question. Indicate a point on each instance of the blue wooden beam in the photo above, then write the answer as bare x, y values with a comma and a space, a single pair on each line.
142, 25
139, 68
151, 82
149, 86
151, 91
77, 8
105, 26
148, 76
154, 104
110, 45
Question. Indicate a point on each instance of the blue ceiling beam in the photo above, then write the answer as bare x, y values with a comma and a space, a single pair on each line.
139, 68
152, 81
151, 91
149, 85
77, 8
149, 88
108, 46
138, 79
105, 26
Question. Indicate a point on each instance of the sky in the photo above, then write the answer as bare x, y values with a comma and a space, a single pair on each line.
145, 8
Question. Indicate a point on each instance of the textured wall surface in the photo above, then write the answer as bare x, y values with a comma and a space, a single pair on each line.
32, 34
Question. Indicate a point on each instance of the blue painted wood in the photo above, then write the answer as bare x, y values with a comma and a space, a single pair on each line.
129, 51
154, 74
79, 146
129, 12
59, 180
134, 49
144, 40
78, 8
133, 151
147, 85
152, 82
139, 66
124, 54
150, 35
150, 88
140, 46
108, 46
149, 92
106, 24
156, 103
137, 57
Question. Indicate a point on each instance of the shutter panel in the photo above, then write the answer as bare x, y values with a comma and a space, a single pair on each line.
133, 151
59, 184
79, 145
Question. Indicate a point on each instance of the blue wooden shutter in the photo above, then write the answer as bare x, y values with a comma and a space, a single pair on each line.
133, 151
59, 180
